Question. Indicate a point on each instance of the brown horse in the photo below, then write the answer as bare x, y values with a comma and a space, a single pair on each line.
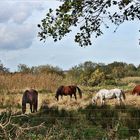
31, 97
136, 90
68, 90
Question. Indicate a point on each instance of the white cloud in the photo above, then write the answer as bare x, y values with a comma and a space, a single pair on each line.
16, 31
16, 37
18, 12
6, 11
18, 22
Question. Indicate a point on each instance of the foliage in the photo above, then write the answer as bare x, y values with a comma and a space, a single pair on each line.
107, 122
10, 129
82, 72
23, 68
89, 15
96, 78
90, 73
48, 69
48, 78
3, 69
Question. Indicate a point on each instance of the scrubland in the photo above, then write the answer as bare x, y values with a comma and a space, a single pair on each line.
67, 118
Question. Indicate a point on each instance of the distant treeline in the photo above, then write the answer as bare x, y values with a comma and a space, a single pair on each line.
87, 73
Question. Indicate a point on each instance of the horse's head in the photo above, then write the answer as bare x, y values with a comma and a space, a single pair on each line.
56, 96
94, 100
24, 100
58, 92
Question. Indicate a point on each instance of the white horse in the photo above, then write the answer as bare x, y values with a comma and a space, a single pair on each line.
104, 94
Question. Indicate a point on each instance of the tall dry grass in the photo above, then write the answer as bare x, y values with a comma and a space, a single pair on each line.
19, 81
131, 80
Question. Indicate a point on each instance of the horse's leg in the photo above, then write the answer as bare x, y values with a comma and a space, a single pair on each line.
23, 108
75, 96
34, 107
119, 100
58, 98
70, 97
61, 96
102, 101
31, 107
122, 100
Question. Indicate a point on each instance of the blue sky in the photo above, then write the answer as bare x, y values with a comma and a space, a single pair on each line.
19, 43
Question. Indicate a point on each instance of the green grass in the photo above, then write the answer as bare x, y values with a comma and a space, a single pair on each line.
79, 123
92, 122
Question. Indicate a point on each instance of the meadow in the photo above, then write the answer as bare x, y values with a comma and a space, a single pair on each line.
66, 119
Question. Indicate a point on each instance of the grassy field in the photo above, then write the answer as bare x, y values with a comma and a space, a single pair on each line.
13, 100
68, 119
71, 119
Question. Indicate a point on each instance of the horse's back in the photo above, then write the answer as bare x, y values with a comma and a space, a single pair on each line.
118, 93
30, 95
34, 95
113, 93
33, 91
69, 89
116, 90
103, 91
66, 90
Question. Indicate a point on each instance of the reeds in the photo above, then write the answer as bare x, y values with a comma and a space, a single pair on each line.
18, 82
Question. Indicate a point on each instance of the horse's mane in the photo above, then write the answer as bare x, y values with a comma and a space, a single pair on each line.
59, 89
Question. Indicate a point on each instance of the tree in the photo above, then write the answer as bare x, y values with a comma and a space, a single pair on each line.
40, 69
96, 78
23, 68
48, 69
118, 72
3, 69
131, 70
11, 129
89, 16
82, 72
74, 73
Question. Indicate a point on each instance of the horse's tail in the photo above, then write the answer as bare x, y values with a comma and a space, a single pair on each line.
80, 92
123, 94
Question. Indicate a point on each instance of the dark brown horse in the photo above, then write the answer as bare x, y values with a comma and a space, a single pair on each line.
31, 97
68, 90
136, 90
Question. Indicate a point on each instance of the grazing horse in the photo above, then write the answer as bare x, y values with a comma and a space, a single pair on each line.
136, 90
31, 97
68, 90
104, 94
